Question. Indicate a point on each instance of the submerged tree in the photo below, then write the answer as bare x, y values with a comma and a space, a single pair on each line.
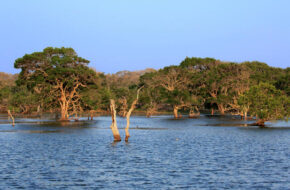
224, 83
57, 75
128, 114
266, 102
114, 126
172, 82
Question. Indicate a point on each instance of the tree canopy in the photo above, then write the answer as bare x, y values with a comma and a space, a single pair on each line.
59, 75
57, 79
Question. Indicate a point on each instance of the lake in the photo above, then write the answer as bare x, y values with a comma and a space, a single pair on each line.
211, 152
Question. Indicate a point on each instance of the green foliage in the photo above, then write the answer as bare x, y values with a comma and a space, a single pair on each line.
22, 99
5, 97
283, 83
265, 101
252, 87
198, 64
261, 72
55, 74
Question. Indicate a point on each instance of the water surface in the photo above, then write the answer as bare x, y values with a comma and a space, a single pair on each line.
204, 153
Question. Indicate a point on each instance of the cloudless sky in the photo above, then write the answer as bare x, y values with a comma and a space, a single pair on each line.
137, 34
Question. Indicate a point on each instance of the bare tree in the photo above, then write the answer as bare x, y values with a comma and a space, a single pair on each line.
129, 114
114, 126
10, 116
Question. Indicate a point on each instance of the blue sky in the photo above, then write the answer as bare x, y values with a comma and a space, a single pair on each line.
137, 34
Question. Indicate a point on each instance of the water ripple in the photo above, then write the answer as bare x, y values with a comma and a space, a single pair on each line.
171, 154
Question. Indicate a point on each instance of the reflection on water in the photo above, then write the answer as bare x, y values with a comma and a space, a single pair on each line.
205, 153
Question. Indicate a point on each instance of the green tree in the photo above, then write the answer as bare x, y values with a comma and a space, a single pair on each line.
224, 83
150, 97
283, 82
56, 74
261, 72
266, 102
172, 82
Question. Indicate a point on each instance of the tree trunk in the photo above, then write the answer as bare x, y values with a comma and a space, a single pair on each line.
246, 115
193, 114
128, 120
64, 106
221, 109
38, 109
150, 111
63, 113
75, 113
10, 116
114, 126
129, 114
66, 98
242, 115
92, 116
175, 112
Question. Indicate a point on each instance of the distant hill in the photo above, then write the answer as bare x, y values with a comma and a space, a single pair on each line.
7, 79
122, 78
126, 78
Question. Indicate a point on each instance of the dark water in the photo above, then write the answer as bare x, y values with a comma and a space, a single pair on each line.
205, 153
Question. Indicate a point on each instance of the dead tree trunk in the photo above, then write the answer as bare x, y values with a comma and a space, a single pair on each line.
10, 116
129, 114
114, 126
128, 120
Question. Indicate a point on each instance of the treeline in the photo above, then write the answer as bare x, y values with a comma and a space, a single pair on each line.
58, 80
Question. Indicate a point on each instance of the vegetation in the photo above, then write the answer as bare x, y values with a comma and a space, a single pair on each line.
57, 74
266, 102
58, 80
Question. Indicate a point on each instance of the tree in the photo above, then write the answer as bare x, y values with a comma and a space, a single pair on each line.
128, 114
172, 82
261, 72
197, 70
150, 97
114, 126
22, 100
283, 82
266, 102
224, 83
7, 83
56, 74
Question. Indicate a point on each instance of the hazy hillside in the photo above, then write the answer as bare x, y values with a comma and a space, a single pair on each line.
126, 78
7, 79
